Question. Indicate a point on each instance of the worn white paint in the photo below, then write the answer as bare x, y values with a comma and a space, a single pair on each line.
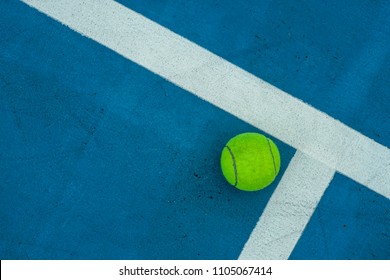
325, 145
289, 209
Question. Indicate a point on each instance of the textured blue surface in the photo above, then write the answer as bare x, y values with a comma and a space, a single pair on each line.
101, 159
333, 54
351, 222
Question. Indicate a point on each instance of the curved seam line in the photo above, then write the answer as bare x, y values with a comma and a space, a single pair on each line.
272, 154
234, 165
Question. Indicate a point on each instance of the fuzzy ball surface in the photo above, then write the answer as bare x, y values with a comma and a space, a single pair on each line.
250, 161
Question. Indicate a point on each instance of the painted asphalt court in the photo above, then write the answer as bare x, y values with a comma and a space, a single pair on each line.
103, 159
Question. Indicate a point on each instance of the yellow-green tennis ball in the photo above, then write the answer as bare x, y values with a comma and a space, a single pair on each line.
250, 161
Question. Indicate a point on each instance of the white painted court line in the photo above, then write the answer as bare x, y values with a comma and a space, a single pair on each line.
289, 209
223, 84
323, 143
226, 86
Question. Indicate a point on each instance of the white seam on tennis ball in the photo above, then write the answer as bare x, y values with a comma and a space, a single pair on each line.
234, 165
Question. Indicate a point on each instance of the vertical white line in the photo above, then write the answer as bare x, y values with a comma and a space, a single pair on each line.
289, 209
323, 140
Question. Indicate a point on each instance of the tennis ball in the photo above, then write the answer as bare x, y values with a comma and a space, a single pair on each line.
250, 161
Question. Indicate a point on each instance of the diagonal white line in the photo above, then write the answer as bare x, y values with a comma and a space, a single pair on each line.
323, 143
289, 209
225, 85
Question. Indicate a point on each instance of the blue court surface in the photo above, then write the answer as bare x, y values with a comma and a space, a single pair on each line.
111, 133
